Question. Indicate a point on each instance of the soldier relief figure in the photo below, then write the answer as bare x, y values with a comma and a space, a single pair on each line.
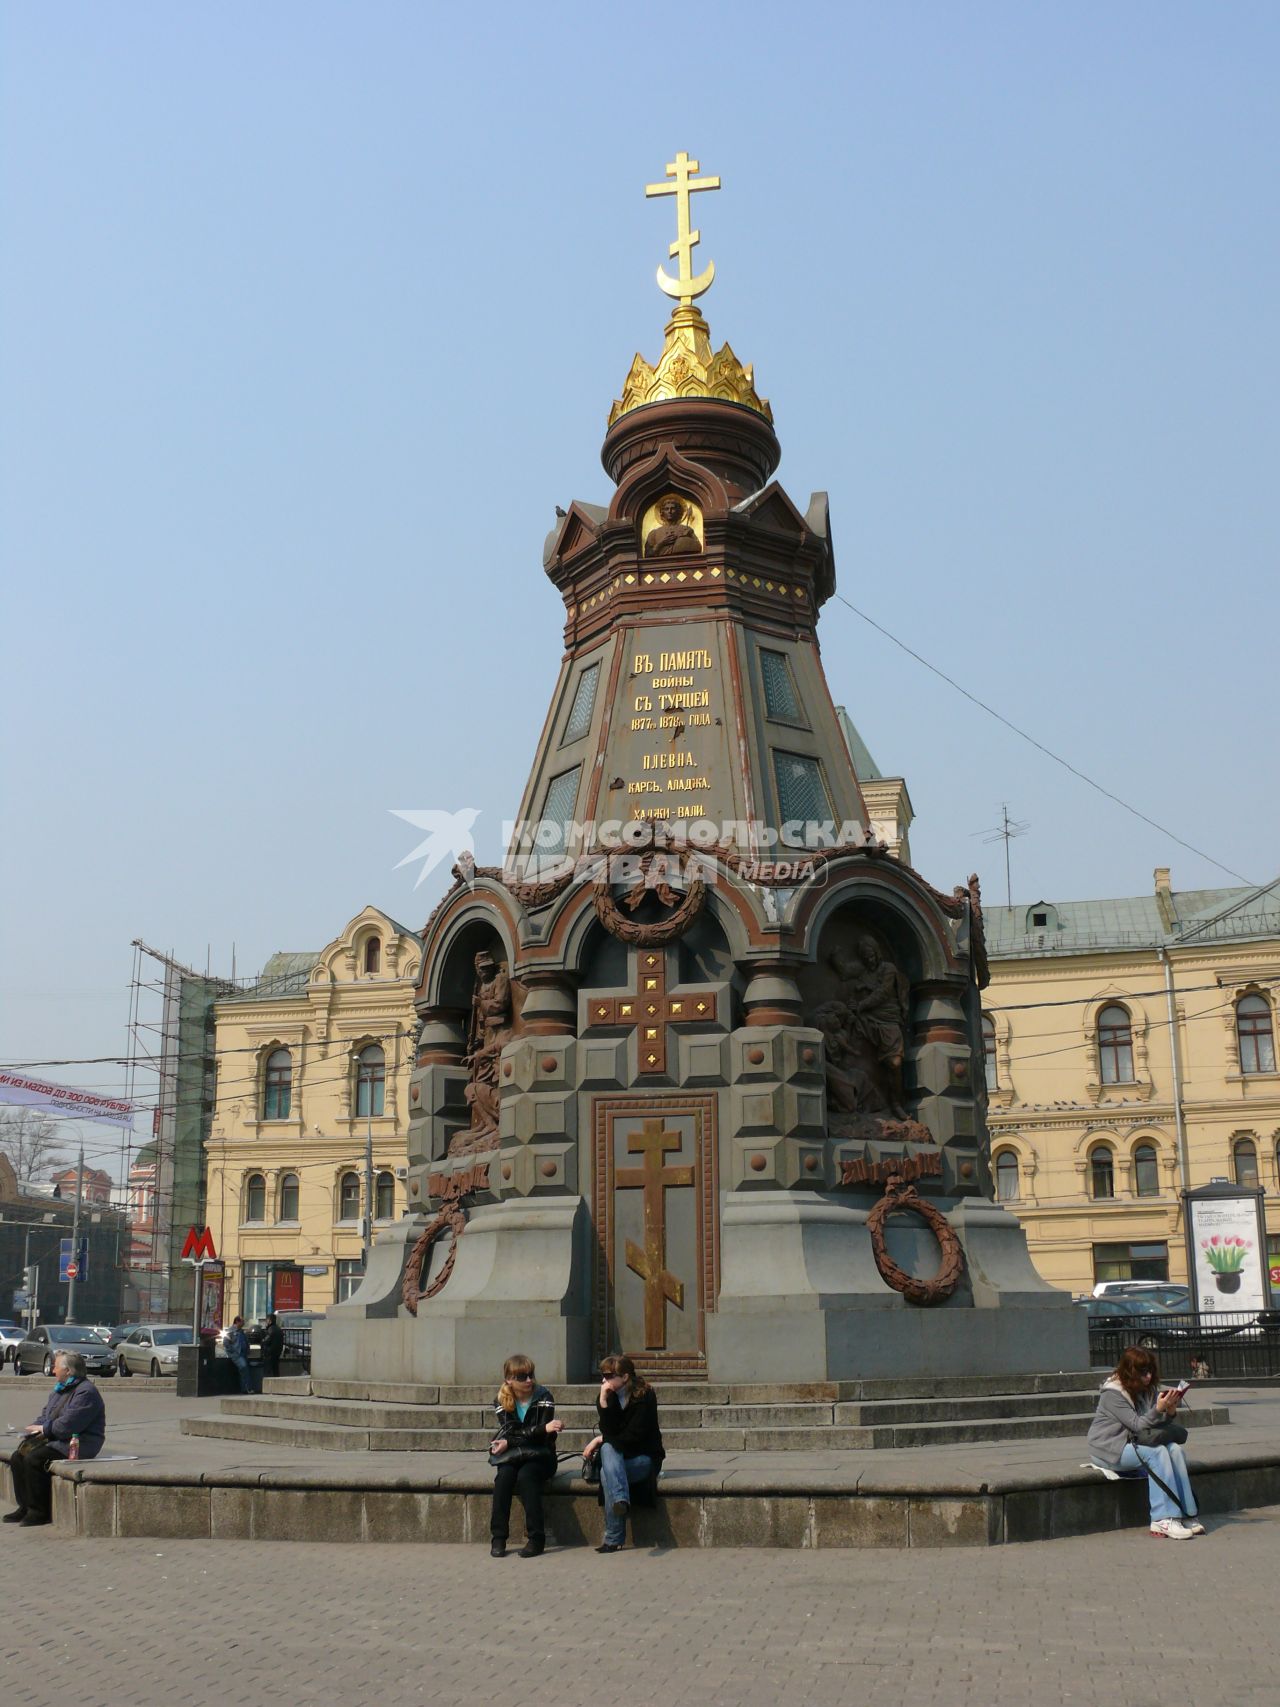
491, 1028
673, 536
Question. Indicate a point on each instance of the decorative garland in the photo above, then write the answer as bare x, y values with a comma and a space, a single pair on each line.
899, 1197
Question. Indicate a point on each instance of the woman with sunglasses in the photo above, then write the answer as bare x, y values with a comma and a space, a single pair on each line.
523, 1451
629, 1443
1134, 1429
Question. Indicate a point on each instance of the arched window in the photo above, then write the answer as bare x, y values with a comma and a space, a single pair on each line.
1007, 1176
255, 1198
1102, 1175
1146, 1174
989, 1053
384, 1198
289, 1197
349, 1197
1115, 1046
371, 1078
1244, 1156
373, 954
277, 1093
1254, 1034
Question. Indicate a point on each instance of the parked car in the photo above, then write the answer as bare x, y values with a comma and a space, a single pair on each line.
1167, 1290
121, 1333
153, 1350
11, 1336
42, 1345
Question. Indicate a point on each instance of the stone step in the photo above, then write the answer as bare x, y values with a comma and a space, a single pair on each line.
352, 1413
271, 1426
707, 1393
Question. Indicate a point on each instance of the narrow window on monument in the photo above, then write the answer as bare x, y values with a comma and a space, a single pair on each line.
802, 794
1254, 1034
1102, 1176
373, 954
371, 1081
277, 1094
1007, 1176
1244, 1156
780, 697
1146, 1174
989, 1052
1131, 1262
349, 1197
557, 816
1115, 1046
584, 703
350, 1274
384, 1197
255, 1198
289, 1197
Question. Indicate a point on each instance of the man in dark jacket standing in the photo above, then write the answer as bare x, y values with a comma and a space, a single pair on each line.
272, 1345
74, 1411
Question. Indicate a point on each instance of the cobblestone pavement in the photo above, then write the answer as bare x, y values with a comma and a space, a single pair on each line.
1105, 1619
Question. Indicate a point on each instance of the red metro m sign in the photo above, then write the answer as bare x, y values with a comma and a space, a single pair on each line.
198, 1246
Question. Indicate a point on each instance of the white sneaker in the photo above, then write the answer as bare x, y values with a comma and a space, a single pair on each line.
1176, 1531
1196, 1527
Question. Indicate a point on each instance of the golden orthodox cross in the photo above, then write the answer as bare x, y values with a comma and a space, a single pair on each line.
649, 1012
685, 285
653, 1177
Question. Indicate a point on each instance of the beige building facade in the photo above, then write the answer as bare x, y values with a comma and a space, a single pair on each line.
314, 1059
1131, 1054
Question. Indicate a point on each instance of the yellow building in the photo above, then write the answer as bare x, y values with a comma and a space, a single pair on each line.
1131, 1053
314, 1059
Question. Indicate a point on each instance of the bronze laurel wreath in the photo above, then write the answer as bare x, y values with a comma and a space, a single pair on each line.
899, 1197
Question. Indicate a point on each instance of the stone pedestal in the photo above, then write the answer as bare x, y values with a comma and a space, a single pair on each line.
801, 1298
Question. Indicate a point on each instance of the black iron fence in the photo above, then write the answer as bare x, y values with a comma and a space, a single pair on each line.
1226, 1345
297, 1347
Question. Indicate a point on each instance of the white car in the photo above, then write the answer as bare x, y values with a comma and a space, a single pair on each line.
11, 1337
153, 1350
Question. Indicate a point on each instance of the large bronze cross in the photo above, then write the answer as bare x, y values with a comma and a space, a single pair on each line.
650, 1011
653, 1178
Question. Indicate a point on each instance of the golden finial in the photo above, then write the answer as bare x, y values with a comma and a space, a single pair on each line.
686, 367
685, 286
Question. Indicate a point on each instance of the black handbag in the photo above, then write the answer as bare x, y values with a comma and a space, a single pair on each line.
591, 1469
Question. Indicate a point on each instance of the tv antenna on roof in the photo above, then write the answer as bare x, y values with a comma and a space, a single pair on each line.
1005, 831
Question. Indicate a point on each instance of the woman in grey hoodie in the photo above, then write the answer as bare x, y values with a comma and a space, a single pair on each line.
1133, 1429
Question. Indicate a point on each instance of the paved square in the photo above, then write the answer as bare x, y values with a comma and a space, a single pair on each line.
1118, 1620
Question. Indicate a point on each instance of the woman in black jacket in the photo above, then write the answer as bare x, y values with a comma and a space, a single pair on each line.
629, 1443
524, 1453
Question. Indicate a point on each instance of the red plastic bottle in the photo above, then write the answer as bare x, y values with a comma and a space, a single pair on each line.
73, 1451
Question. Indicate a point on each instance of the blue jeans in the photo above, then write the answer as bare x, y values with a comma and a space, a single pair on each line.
1170, 1465
616, 1476
242, 1370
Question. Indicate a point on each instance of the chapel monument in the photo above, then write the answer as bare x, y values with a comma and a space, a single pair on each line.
699, 1074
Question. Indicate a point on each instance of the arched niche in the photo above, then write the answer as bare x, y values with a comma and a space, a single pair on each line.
892, 931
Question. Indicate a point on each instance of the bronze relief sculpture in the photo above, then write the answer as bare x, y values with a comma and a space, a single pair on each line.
491, 1028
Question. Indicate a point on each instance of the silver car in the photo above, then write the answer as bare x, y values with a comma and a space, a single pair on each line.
38, 1350
153, 1350
11, 1337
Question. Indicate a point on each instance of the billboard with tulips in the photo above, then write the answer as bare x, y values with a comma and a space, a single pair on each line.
1229, 1254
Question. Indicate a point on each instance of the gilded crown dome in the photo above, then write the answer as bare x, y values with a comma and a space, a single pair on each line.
687, 368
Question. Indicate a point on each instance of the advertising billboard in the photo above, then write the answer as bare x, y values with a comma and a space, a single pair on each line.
1228, 1251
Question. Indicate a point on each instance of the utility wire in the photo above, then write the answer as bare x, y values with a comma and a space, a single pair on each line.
1039, 745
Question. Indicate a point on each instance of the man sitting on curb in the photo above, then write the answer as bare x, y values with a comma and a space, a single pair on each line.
75, 1408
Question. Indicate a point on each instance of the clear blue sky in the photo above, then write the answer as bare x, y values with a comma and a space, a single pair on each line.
312, 313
